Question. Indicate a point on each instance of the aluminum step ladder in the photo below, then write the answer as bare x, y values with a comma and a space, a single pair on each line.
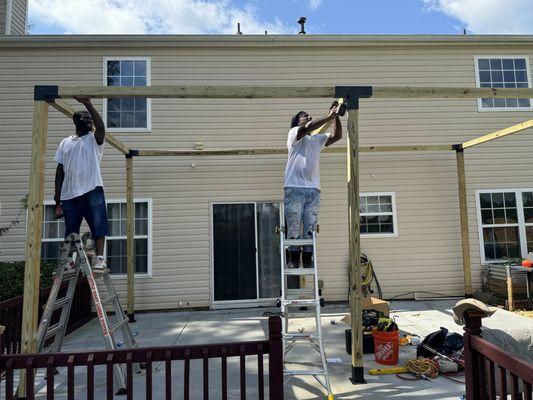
302, 297
72, 259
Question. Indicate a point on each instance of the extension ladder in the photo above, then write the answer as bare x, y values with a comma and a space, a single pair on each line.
72, 259
302, 297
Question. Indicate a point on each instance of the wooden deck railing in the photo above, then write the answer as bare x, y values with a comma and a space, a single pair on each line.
488, 369
9, 364
11, 314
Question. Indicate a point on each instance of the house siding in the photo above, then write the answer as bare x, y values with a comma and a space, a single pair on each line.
3, 17
18, 17
426, 254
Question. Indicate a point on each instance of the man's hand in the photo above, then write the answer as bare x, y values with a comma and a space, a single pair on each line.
59, 212
333, 108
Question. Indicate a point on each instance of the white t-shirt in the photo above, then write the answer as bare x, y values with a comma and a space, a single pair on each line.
303, 164
81, 158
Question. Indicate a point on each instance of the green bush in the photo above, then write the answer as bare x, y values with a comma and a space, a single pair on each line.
12, 278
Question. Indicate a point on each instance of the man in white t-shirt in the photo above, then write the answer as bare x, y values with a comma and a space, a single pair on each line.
79, 191
302, 178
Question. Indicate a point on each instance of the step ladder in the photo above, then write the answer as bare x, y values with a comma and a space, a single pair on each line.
304, 296
72, 260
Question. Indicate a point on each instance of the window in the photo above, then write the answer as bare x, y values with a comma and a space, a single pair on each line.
54, 233
504, 72
378, 214
116, 241
127, 114
505, 223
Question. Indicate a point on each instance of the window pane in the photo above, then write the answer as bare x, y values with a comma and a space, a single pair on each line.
373, 228
523, 103
529, 238
128, 104
497, 200
140, 120
487, 103
486, 217
385, 199
141, 227
114, 227
126, 81
489, 252
521, 76
127, 119
116, 255
113, 81
495, 63
484, 76
508, 63
113, 119
385, 219
483, 63
113, 210
141, 210
385, 207
140, 104
371, 208
497, 76
511, 102
50, 251
49, 213
528, 215
387, 228
126, 68
499, 103
139, 81
139, 68
499, 216
520, 63
508, 76
113, 104
510, 200
511, 216
113, 68
527, 198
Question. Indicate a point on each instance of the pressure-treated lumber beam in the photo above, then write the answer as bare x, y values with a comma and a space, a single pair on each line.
32, 267
281, 150
212, 92
130, 242
391, 92
498, 134
225, 92
66, 109
356, 311
463, 212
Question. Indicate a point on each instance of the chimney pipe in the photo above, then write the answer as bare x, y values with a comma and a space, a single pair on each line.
301, 21
239, 28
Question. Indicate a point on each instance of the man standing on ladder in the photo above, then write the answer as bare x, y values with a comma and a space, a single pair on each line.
302, 178
79, 189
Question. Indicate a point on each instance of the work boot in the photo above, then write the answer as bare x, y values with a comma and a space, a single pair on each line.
99, 264
307, 259
294, 259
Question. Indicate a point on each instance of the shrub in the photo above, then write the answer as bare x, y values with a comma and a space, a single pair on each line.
12, 278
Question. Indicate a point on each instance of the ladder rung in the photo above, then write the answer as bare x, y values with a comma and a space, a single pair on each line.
311, 372
299, 271
301, 302
301, 336
53, 330
300, 292
119, 325
298, 242
60, 303
110, 298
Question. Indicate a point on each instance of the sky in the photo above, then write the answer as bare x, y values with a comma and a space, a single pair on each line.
280, 16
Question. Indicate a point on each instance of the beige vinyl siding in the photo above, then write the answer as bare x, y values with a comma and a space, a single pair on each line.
3, 17
426, 255
18, 17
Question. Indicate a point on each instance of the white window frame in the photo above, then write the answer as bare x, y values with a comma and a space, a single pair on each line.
521, 221
43, 239
394, 215
9, 11
148, 100
148, 273
478, 84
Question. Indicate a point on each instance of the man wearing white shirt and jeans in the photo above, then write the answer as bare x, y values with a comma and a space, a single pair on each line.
79, 189
302, 179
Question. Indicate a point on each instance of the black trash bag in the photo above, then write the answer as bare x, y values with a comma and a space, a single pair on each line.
453, 343
434, 340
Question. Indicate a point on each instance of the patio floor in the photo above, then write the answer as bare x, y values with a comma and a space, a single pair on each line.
201, 327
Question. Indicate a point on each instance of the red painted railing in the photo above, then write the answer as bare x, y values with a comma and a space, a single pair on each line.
11, 314
9, 364
488, 369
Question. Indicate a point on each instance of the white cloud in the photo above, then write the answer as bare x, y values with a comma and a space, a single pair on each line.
489, 16
314, 4
150, 16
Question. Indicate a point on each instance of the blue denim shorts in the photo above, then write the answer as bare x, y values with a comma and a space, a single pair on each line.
90, 206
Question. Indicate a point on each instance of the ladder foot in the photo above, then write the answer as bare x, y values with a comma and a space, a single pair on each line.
131, 318
121, 392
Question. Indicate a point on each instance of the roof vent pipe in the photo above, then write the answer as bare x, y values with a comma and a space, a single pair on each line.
301, 21
239, 28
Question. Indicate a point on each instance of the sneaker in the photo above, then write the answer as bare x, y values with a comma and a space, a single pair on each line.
99, 264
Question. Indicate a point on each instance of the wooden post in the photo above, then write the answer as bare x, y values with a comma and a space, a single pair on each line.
356, 311
275, 361
32, 267
463, 208
472, 365
130, 242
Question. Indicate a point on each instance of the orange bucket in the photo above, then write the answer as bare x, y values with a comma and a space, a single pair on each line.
386, 346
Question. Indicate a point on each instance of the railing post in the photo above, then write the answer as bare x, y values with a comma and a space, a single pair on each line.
2, 330
472, 364
275, 362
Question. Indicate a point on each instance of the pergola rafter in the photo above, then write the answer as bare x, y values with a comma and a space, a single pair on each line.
51, 95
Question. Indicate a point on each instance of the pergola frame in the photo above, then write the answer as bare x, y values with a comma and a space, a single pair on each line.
45, 96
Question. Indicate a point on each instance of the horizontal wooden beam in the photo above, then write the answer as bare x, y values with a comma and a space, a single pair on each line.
281, 150
498, 134
391, 92
245, 92
66, 109
198, 92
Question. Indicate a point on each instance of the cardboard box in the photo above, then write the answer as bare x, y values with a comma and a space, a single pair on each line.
371, 303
